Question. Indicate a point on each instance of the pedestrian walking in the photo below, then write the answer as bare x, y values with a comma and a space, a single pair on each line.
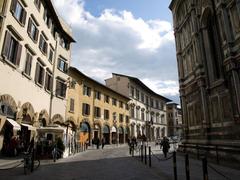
103, 142
165, 146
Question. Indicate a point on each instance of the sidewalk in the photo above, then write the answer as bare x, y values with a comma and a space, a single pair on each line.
10, 162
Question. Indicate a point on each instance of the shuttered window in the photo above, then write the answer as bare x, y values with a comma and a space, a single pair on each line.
61, 88
12, 49
18, 11
62, 65
28, 64
39, 74
43, 46
85, 109
97, 112
32, 30
120, 118
106, 114
49, 81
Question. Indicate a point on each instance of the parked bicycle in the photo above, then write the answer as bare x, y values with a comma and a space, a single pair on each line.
29, 164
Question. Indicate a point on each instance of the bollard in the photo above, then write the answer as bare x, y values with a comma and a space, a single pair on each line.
142, 153
204, 165
217, 155
149, 156
175, 165
187, 167
133, 151
145, 154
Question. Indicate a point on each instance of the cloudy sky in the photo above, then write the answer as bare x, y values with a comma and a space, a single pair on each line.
131, 37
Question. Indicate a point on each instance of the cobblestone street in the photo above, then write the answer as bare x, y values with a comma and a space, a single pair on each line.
114, 162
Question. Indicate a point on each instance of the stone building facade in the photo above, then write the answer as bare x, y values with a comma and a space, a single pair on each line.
174, 120
147, 108
97, 111
207, 37
35, 54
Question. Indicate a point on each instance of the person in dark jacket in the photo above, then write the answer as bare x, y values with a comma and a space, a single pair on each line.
165, 146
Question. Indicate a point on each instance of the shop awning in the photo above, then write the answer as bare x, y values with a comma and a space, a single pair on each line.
30, 127
15, 125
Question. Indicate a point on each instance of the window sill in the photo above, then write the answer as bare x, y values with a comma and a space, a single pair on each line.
71, 111
48, 91
26, 75
60, 97
40, 85
5, 60
32, 38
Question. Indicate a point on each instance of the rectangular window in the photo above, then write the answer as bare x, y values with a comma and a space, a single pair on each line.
12, 49
132, 91
127, 107
151, 102
46, 18
106, 98
62, 65
98, 95
157, 104
147, 100
49, 81
28, 64
127, 119
97, 112
32, 30
71, 105
120, 118
142, 97
114, 116
86, 90
38, 4
137, 94
61, 88
39, 74
106, 114
132, 112
64, 43
85, 109
120, 104
114, 102
43, 46
18, 11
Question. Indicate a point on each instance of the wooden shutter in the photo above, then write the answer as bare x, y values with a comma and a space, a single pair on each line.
46, 80
13, 5
51, 83
28, 64
43, 75
23, 16
19, 52
88, 109
36, 35
65, 67
37, 72
6, 44
29, 26
40, 42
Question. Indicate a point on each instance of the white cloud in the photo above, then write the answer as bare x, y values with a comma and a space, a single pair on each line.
116, 41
